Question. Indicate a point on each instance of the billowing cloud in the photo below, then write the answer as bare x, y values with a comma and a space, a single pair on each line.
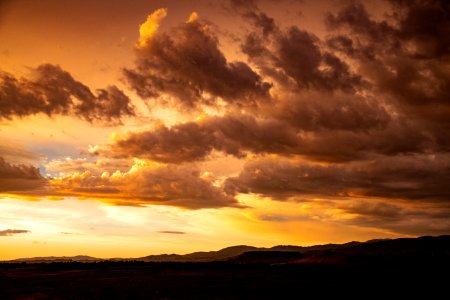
147, 183
315, 111
19, 177
51, 90
128, 184
193, 141
9, 232
295, 55
411, 66
401, 217
68, 165
410, 177
324, 109
187, 64
350, 131
356, 122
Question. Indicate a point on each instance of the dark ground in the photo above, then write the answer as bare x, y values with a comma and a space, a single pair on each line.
128, 280
384, 269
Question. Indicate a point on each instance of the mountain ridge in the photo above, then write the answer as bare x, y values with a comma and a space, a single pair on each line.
433, 245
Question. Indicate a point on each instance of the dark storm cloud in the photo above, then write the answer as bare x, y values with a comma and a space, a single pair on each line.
281, 179
261, 20
183, 142
316, 111
320, 133
19, 177
427, 24
187, 64
295, 55
243, 5
234, 135
411, 65
412, 177
327, 111
9, 232
400, 137
399, 217
424, 24
51, 90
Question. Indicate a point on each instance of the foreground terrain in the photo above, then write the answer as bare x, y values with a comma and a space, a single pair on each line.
373, 269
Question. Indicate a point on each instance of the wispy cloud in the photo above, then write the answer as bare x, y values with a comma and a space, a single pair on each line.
9, 232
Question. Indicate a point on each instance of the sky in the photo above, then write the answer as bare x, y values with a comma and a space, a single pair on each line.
147, 127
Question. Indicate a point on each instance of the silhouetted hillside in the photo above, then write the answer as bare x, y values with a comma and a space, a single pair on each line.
267, 257
413, 250
381, 269
229, 252
78, 258
201, 256
405, 248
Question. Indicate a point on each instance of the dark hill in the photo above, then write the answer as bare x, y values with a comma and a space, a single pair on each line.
201, 256
404, 248
270, 257
229, 252
379, 269
415, 250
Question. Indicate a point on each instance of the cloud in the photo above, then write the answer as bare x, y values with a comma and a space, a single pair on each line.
401, 217
411, 66
261, 20
194, 141
172, 232
314, 111
295, 56
334, 100
19, 178
242, 5
358, 119
15, 153
9, 232
68, 165
334, 130
147, 183
148, 29
390, 102
51, 90
410, 177
387, 215
187, 64
143, 183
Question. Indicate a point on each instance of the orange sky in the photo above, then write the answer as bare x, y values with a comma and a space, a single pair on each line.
179, 126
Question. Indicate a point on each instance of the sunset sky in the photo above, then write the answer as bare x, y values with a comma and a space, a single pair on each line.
130, 128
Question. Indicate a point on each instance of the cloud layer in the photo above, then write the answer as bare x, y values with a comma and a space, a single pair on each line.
354, 120
51, 90
412, 177
358, 117
19, 178
146, 183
